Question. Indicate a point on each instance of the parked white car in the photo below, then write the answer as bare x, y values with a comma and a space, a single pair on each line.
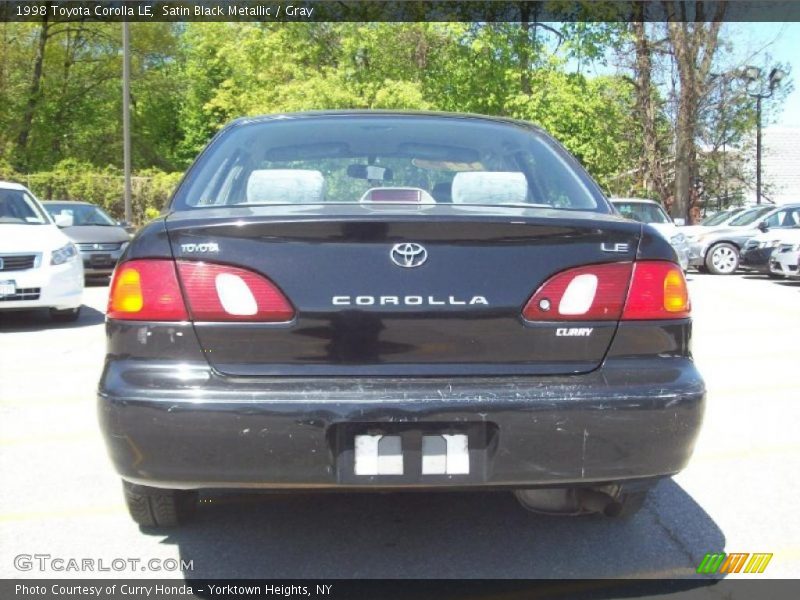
651, 212
39, 266
786, 255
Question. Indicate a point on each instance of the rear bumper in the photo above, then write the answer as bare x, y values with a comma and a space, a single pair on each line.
182, 426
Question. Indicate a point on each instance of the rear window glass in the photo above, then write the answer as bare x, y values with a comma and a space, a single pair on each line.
399, 160
642, 212
750, 216
717, 218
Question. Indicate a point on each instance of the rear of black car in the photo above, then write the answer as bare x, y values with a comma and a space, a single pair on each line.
396, 301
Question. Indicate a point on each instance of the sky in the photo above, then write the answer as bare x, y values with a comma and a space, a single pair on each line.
782, 42
750, 43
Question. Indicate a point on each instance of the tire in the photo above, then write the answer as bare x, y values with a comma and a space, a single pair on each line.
722, 259
155, 507
68, 315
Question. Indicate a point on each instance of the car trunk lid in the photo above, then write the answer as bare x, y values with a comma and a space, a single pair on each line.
361, 311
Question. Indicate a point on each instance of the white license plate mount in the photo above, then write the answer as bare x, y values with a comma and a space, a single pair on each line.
413, 453
8, 288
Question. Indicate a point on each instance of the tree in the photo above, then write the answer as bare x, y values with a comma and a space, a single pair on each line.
646, 109
693, 45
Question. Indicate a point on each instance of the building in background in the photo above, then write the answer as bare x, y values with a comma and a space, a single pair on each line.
780, 166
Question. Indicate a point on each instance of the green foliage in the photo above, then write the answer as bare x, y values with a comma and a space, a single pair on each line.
189, 80
74, 180
589, 116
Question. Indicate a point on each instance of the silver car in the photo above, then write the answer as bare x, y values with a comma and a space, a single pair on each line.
652, 213
100, 239
718, 250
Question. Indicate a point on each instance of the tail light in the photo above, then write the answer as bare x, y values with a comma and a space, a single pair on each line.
658, 291
149, 290
146, 290
224, 293
628, 291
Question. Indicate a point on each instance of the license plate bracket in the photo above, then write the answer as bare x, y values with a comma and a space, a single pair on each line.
100, 260
412, 452
8, 288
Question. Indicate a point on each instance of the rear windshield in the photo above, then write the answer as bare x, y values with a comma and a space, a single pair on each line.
398, 160
750, 216
717, 218
642, 212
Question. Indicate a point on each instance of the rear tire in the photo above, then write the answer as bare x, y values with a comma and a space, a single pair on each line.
722, 259
68, 315
155, 507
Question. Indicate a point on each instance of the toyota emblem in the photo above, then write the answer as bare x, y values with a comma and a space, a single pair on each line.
408, 255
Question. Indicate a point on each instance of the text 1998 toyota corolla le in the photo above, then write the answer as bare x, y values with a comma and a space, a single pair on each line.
370, 300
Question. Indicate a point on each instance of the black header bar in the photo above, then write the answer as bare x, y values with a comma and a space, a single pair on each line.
400, 10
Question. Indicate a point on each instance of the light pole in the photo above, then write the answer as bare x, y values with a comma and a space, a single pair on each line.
753, 75
126, 119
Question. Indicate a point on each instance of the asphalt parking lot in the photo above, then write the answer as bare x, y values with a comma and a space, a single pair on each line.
60, 497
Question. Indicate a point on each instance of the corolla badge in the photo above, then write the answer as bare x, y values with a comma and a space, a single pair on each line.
408, 254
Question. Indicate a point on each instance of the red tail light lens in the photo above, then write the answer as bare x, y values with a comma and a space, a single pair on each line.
657, 290
146, 290
592, 293
224, 293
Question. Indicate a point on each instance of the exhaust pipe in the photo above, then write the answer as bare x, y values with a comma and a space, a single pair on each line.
598, 502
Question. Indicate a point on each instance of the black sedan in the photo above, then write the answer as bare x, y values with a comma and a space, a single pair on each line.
99, 238
390, 301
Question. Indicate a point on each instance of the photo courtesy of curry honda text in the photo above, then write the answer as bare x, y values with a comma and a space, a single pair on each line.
392, 301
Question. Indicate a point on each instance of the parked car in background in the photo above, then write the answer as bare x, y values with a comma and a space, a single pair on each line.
718, 250
652, 213
39, 265
719, 219
784, 257
100, 239
756, 253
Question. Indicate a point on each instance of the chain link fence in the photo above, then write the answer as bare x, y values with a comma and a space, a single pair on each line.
151, 189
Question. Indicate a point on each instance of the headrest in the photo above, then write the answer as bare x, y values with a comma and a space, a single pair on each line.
490, 187
285, 186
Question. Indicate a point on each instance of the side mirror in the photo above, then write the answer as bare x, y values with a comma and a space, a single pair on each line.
123, 224
763, 226
679, 222
64, 220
